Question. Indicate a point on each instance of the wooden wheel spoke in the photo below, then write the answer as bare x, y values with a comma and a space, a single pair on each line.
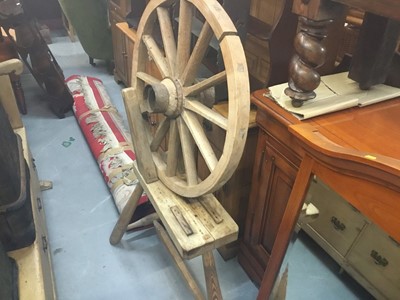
184, 35
197, 55
201, 86
160, 134
200, 139
188, 152
157, 55
207, 113
168, 38
173, 149
149, 79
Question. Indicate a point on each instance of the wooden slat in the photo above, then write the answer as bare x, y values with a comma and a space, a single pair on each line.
181, 220
139, 137
207, 113
201, 139
173, 149
157, 55
189, 157
168, 38
205, 84
206, 235
180, 264
210, 273
189, 74
126, 215
160, 134
184, 35
147, 78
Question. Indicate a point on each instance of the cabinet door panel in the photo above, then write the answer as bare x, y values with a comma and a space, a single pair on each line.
272, 184
119, 47
280, 182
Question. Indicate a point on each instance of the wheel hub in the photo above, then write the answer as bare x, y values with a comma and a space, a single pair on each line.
165, 97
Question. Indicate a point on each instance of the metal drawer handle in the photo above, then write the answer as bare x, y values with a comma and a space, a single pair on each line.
379, 260
337, 224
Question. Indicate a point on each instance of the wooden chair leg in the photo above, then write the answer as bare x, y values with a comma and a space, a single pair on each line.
210, 273
125, 216
180, 264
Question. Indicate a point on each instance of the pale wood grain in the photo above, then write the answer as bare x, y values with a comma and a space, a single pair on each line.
200, 139
168, 38
157, 55
207, 234
147, 78
139, 136
189, 158
126, 215
184, 35
199, 50
179, 263
207, 113
205, 84
160, 134
173, 149
210, 273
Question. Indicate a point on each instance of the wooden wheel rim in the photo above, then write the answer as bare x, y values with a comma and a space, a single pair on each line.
173, 68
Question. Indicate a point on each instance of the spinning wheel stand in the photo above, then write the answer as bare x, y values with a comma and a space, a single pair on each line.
195, 222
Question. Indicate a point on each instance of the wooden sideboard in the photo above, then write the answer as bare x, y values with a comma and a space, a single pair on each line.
355, 152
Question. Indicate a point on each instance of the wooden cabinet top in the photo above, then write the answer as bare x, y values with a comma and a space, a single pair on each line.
373, 129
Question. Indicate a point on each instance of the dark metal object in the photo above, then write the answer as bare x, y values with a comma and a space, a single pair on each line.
378, 259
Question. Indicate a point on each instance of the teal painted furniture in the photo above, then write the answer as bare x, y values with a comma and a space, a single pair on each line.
90, 21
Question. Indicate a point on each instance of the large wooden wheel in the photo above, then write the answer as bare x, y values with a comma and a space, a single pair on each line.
178, 93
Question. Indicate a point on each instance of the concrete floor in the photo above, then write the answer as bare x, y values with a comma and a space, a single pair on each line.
81, 214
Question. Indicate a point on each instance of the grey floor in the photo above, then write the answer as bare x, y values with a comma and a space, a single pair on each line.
81, 214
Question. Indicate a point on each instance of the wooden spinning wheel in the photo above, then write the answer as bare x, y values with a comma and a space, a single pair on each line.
179, 95
167, 157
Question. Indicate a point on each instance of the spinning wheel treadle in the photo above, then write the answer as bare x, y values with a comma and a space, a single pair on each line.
166, 165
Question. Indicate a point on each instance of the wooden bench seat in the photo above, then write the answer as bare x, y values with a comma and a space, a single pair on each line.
194, 225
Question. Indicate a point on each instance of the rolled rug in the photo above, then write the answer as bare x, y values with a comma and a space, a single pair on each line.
108, 140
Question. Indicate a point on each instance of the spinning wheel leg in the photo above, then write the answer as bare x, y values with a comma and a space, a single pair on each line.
210, 272
126, 215
180, 264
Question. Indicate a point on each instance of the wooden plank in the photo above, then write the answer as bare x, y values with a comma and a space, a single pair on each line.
139, 137
207, 113
207, 234
181, 220
187, 276
126, 215
210, 273
201, 86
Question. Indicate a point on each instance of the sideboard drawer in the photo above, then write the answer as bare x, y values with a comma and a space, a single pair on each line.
338, 222
377, 257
